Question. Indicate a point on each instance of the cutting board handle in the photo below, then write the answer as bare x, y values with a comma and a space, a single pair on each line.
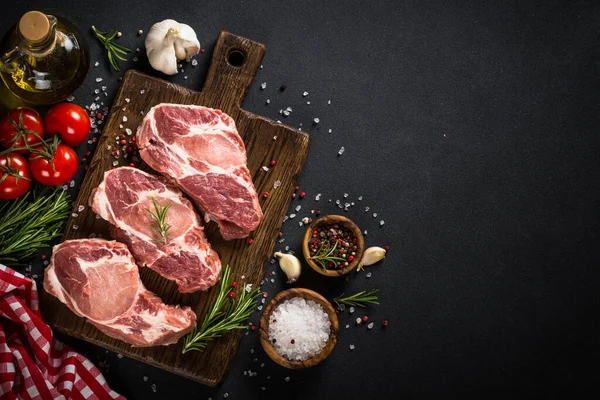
234, 63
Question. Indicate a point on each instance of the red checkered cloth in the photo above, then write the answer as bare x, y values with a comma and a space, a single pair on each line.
33, 365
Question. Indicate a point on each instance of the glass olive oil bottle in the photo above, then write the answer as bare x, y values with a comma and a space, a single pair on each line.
43, 60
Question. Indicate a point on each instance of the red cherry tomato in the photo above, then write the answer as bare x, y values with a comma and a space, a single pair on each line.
21, 125
14, 176
70, 121
55, 171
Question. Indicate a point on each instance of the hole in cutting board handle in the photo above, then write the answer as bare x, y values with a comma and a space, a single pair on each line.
236, 58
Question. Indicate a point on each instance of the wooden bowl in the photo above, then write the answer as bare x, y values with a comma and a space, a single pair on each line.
331, 220
264, 328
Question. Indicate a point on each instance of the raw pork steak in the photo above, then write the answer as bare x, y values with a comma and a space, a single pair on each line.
98, 279
200, 150
124, 198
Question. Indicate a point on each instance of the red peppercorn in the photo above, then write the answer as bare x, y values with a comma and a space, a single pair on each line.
253, 327
351, 258
234, 284
88, 153
385, 322
365, 318
202, 51
98, 115
94, 140
296, 188
250, 241
123, 141
83, 160
265, 294
302, 194
387, 248
273, 163
292, 341
129, 149
131, 165
133, 139
280, 234
231, 294
85, 167
44, 257
266, 194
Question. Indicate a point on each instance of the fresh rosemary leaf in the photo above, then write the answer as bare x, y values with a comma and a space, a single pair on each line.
114, 51
30, 222
360, 299
224, 315
159, 216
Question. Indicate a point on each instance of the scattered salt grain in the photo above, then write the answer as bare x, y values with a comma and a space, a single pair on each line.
347, 326
119, 356
265, 168
142, 91
153, 387
351, 347
145, 378
308, 103
127, 99
287, 379
316, 121
305, 221
345, 195
328, 101
276, 184
70, 98
292, 216
318, 197
359, 198
374, 215
263, 85
341, 150
268, 101
98, 80
351, 310
304, 94
329, 131
225, 395
74, 215
365, 232
299, 328
72, 183
124, 118
96, 91
96, 64
194, 62
369, 274
298, 207
358, 321
248, 287
370, 326
366, 208
381, 222
80, 208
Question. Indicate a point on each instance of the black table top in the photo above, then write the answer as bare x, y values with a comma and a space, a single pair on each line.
470, 129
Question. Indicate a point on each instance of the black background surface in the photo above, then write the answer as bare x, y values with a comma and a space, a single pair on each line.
471, 128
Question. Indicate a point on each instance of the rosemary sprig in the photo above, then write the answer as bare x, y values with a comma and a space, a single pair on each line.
28, 225
360, 299
115, 51
159, 219
324, 255
223, 316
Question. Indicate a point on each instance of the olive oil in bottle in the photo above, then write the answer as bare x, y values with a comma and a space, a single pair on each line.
43, 60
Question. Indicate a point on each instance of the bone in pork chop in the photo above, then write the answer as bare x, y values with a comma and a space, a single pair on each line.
200, 150
98, 279
124, 198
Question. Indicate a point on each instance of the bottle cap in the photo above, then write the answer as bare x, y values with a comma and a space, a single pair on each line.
34, 26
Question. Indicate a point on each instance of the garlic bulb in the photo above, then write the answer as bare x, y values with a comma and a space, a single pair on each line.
290, 265
371, 256
169, 42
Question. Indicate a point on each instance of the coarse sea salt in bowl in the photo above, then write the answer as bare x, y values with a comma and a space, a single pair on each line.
298, 328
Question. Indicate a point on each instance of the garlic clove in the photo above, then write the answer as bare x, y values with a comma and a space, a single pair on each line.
290, 265
371, 256
168, 42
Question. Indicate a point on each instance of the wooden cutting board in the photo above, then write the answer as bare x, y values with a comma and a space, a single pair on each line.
234, 64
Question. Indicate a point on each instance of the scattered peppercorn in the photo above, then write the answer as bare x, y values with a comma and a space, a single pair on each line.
292, 341
280, 234
44, 257
266, 194
140, 32
387, 248
302, 194
250, 241
365, 318
273, 163
234, 284
98, 115
231, 294
253, 327
385, 323
282, 88
123, 141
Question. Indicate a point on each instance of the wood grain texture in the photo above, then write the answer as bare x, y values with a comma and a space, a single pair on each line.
225, 87
329, 221
264, 328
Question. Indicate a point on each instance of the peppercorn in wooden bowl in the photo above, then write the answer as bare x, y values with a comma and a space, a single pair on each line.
266, 319
333, 245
